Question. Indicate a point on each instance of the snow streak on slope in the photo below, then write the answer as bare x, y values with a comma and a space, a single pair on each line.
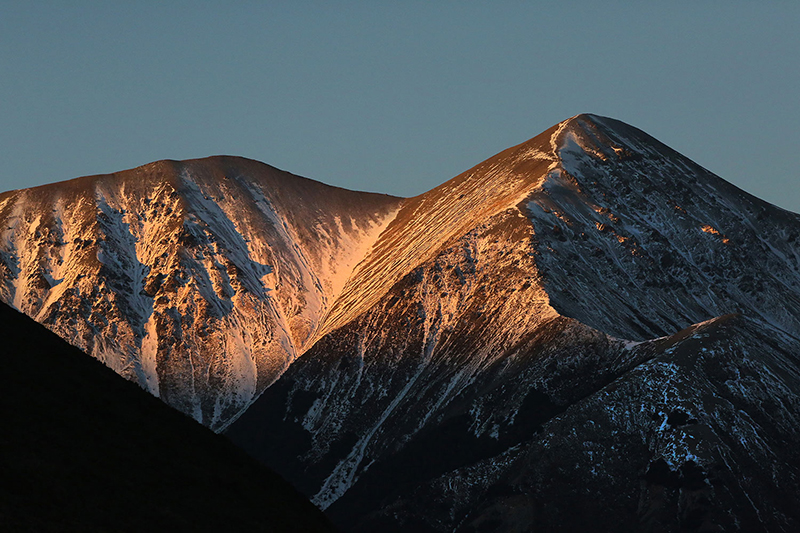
199, 280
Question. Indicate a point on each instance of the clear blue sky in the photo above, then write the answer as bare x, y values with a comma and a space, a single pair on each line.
393, 97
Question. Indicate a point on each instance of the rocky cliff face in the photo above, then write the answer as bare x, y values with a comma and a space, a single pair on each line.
200, 280
482, 381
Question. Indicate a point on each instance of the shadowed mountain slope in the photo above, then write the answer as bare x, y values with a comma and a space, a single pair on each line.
84, 450
700, 434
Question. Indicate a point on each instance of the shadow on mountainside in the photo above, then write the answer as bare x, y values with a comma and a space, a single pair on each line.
82, 449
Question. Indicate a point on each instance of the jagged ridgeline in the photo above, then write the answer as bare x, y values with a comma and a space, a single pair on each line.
515, 328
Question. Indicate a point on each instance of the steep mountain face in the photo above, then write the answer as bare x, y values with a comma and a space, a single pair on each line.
471, 353
84, 450
200, 280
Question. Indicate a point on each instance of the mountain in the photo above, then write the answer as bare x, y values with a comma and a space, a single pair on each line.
586, 331
513, 353
84, 450
200, 280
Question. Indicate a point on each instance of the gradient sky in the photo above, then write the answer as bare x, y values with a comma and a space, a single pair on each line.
393, 97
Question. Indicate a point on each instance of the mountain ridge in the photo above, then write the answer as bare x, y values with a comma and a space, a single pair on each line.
243, 239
